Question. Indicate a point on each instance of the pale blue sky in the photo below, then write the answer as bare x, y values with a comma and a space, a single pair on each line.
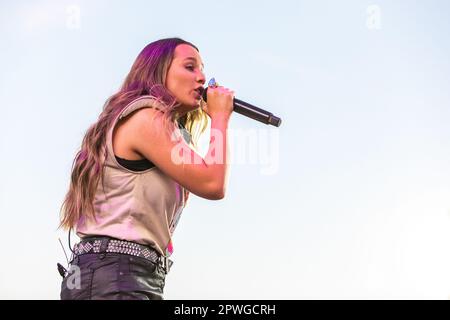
358, 206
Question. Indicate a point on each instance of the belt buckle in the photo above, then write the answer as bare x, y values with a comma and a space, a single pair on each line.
165, 264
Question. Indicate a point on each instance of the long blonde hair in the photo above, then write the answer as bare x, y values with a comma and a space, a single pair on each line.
146, 77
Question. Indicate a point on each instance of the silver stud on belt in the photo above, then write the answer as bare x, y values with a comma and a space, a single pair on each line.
117, 246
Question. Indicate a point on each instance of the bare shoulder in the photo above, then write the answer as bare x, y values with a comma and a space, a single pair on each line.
147, 121
127, 130
143, 127
150, 138
144, 114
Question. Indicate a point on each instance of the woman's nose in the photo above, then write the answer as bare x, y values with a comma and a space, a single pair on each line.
201, 78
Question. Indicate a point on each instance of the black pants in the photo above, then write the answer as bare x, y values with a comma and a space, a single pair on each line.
113, 276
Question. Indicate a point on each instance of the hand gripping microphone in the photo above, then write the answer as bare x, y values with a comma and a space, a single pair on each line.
251, 111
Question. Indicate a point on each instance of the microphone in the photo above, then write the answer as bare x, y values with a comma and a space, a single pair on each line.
248, 110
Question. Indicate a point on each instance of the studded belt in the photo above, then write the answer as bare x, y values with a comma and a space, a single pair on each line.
107, 244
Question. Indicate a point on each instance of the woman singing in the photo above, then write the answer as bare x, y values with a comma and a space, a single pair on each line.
136, 167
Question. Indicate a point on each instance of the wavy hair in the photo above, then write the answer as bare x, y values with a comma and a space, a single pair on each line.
147, 76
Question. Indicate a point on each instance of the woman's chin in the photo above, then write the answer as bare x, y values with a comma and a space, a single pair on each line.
196, 103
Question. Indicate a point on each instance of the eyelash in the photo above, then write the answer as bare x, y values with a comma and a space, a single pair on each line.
191, 67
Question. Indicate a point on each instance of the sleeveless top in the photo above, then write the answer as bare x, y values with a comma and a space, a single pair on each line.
135, 165
141, 206
143, 164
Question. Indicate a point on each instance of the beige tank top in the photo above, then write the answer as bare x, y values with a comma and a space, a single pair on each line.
140, 206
